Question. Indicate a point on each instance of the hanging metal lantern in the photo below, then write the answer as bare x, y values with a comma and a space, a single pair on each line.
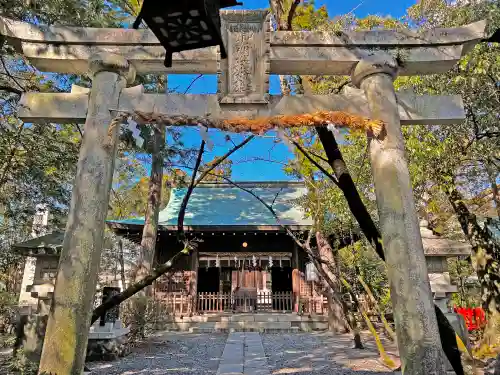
185, 24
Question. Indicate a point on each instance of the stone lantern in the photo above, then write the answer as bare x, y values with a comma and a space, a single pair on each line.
437, 250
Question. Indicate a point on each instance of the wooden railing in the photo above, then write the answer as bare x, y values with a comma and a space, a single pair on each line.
175, 303
178, 303
317, 305
260, 301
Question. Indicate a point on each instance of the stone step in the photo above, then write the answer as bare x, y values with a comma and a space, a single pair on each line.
245, 322
247, 318
310, 326
245, 329
237, 325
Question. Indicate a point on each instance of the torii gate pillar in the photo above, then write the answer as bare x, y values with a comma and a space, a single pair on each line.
414, 315
66, 336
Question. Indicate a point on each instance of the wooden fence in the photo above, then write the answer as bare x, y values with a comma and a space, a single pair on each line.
260, 301
175, 303
179, 303
317, 305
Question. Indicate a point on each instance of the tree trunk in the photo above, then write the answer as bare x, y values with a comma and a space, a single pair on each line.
348, 187
333, 286
336, 318
150, 231
492, 176
277, 8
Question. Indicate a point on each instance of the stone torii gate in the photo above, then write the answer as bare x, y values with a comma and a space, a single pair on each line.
113, 56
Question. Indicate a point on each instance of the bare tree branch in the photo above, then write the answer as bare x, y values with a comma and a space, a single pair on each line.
222, 158
10, 75
192, 83
317, 155
182, 211
79, 130
316, 164
134, 288
11, 90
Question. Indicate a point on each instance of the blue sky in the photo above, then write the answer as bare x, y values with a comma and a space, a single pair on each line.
250, 163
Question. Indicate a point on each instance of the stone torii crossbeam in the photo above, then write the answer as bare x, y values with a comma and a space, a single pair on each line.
372, 58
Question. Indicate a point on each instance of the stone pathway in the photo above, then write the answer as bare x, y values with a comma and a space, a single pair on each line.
248, 353
243, 354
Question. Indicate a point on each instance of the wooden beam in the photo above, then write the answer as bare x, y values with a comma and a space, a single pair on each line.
72, 108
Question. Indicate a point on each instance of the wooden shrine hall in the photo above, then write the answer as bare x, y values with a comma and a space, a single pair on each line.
244, 261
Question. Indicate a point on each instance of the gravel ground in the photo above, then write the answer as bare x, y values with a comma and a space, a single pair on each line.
323, 353
301, 354
169, 353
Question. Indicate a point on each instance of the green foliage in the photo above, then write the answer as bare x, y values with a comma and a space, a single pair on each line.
460, 270
360, 259
308, 17
21, 365
461, 153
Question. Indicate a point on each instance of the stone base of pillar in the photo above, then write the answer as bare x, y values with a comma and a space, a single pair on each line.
30, 333
106, 343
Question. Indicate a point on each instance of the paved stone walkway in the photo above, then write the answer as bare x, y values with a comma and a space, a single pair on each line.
243, 354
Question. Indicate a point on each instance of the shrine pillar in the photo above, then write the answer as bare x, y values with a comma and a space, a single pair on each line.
296, 278
416, 324
68, 325
193, 281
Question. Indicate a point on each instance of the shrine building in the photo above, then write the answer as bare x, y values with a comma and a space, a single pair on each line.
244, 259
242, 253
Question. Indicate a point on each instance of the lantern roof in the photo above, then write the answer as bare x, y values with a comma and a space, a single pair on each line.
435, 245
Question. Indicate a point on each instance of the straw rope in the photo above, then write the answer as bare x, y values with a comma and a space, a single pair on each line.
258, 125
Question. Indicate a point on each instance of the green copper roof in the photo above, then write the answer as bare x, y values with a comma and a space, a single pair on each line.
223, 205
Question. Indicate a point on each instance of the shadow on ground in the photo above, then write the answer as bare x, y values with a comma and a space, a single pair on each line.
301, 354
324, 353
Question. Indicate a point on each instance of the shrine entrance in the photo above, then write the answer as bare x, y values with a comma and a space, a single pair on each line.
282, 279
208, 280
245, 290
